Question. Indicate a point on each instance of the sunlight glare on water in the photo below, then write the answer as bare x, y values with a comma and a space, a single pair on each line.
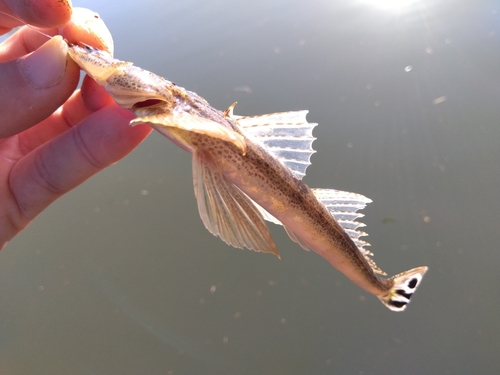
391, 5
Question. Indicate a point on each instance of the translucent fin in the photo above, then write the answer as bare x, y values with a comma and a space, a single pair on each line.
285, 135
343, 206
268, 217
227, 212
296, 239
192, 123
405, 284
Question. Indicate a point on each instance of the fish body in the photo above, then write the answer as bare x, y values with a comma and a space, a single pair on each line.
249, 169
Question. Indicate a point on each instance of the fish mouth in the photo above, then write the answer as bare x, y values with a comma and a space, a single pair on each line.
147, 103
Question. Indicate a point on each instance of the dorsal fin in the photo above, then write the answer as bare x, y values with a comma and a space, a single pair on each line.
343, 206
285, 135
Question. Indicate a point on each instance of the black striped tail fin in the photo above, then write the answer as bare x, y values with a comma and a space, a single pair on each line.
405, 284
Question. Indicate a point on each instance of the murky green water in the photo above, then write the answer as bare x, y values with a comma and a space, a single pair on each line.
120, 276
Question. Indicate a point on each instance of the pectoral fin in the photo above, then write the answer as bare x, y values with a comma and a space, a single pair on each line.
192, 123
227, 212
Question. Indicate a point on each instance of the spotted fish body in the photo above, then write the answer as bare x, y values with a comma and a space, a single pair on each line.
249, 169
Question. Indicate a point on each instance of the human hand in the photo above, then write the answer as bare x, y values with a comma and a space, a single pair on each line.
52, 138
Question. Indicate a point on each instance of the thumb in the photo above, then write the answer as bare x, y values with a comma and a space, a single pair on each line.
34, 86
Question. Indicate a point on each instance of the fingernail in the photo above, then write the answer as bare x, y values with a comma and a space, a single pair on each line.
45, 67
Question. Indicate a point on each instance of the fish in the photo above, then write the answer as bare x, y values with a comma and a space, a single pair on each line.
248, 170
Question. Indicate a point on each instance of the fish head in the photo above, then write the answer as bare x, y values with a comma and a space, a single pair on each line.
97, 63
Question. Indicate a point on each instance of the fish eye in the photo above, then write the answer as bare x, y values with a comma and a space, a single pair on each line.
87, 47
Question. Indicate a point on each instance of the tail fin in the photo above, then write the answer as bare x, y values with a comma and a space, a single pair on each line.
405, 284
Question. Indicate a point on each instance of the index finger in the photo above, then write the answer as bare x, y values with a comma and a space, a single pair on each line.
40, 13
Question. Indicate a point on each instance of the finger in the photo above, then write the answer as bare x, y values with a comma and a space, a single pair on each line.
33, 87
94, 96
24, 41
42, 13
80, 105
57, 123
85, 27
65, 162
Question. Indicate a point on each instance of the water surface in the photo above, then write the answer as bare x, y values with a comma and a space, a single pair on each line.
120, 276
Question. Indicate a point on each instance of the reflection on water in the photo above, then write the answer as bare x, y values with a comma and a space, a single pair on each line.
121, 277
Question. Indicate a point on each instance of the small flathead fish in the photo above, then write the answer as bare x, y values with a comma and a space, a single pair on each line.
248, 169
